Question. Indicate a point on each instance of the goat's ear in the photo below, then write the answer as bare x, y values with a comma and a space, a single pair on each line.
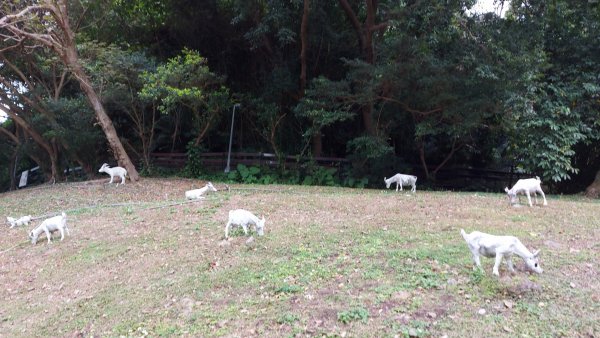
536, 253
506, 189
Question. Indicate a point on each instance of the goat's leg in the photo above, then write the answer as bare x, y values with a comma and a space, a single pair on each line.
245, 226
111, 179
48, 235
122, 179
477, 261
528, 198
497, 264
396, 186
475, 255
414, 188
227, 229
62, 234
544, 196
509, 263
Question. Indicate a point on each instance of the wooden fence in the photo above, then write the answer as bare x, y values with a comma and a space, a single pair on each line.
452, 178
218, 161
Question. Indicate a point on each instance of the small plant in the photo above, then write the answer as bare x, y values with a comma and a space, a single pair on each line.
352, 315
128, 210
248, 175
476, 276
286, 288
320, 176
288, 318
193, 166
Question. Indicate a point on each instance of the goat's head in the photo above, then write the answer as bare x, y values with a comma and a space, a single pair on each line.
512, 196
33, 237
533, 262
103, 168
260, 227
387, 184
211, 187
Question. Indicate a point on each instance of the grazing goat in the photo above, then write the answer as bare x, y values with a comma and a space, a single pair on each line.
18, 222
244, 218
197, 193
400, 180
482, 244
52, 224
115, 171
526, 186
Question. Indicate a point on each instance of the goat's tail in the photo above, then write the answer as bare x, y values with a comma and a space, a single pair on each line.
538, 178
463, 233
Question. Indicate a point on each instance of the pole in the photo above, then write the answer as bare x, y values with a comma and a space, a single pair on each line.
227, 168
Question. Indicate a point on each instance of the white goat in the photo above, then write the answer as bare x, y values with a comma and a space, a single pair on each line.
400, 180
18, 222
526, 186
482, 244
244, 218
197, 193
115, 171
50, 225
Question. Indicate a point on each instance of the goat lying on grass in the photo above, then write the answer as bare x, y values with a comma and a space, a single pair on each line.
482, 244
115, 171
526, 186
244, 218
50, 225
18, 222
197, 193
400, 180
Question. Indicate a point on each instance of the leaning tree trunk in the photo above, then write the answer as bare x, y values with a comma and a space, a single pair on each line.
593, 190
70, 58
105, 122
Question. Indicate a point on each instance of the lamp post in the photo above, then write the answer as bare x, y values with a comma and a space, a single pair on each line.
227, 168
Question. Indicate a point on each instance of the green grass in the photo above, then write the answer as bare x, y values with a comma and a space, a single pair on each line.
333, 261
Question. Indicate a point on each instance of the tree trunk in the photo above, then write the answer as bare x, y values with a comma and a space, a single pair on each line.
39, 140
317, 145
71, 60
12, 170
317, 139
365, 38
105, 122
422, 158
304, 46
593, 190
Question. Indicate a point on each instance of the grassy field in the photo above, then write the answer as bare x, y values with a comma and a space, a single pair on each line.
333, 262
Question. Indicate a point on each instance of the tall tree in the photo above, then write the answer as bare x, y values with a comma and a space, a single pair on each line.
365, 32
47, 23
558, 104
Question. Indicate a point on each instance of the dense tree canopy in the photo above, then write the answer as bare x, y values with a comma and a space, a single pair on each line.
413, 86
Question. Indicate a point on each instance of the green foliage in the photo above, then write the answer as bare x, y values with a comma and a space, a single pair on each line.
288, 318
352, 315
321, 176
325, 103
193, 167
186, 85
556, 108
368, 148
245, 174
287, 288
